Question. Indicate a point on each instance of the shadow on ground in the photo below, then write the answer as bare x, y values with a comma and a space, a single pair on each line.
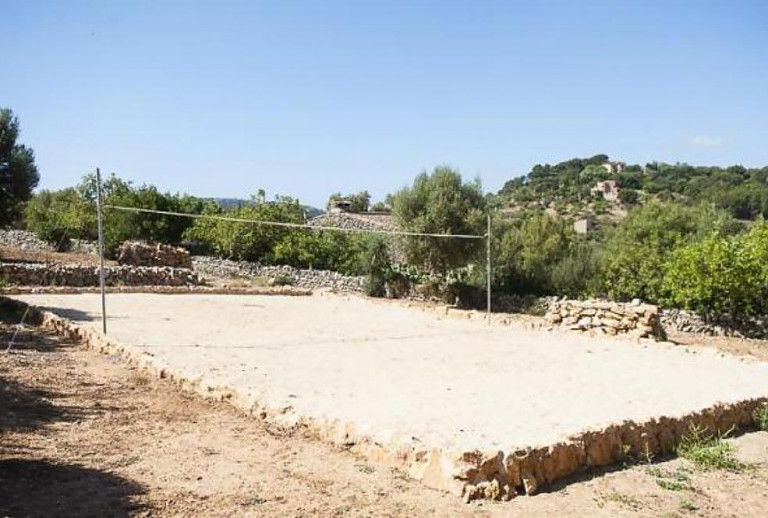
41, 488
24, 408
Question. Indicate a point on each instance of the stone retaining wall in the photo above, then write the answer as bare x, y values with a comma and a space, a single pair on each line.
722, 325
35, 274
25, 240
310, 279
607, 318
138, 253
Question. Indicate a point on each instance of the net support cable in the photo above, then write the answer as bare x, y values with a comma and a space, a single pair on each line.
292, 225
486, 236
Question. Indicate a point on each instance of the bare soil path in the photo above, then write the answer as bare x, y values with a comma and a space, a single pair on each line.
81, 434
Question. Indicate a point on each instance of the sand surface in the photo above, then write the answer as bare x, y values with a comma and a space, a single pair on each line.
392, 370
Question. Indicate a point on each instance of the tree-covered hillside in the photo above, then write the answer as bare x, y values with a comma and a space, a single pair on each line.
568, 186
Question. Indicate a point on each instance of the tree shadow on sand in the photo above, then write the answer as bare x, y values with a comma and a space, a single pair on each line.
30, 484
42, 488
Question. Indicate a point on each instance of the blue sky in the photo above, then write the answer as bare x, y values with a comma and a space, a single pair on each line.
307, 98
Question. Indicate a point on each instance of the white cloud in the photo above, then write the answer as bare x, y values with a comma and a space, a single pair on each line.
703, 141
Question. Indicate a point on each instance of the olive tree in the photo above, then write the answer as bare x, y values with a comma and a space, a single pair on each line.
440, 202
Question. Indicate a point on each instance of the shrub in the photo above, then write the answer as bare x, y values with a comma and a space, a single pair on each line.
56, 215
636, 251
246, 241
708, 451
721, 274
281, 280
541, 254
760, 415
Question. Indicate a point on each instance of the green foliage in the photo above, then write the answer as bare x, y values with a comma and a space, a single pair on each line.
281, 280
359, 202
628, 196
55, 216
18, 173
740, 191
72, 212
721, 274
249, 241
374, 261
637, 250
541, 254
441, 203
381, 206
760, 415
708, 451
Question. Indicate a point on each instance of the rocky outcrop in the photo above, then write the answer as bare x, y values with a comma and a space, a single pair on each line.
137, 253
78, 275
606, 318
310, 279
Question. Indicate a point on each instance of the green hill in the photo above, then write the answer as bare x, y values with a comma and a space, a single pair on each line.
569, 187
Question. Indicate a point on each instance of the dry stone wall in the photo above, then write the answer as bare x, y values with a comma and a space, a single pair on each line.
310, 279
25, 240
137, 253
608, 318
79, 275
722, 325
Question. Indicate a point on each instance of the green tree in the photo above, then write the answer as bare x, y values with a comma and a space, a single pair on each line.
246, 241
628, 196
636, 251
18, 173
721, 274
540, 254
440, 203
55, 216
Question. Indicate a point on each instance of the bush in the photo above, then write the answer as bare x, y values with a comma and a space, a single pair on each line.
721, 274
760, 415
637, 250
541, 254
246, 241
55, 216
628, 196
71, 212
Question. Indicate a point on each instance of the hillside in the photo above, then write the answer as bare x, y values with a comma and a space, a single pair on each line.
604, 189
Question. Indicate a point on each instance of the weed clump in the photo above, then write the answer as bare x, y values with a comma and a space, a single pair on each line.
760, 415
708, 451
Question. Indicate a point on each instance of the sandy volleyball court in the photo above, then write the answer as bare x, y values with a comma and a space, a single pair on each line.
392, 371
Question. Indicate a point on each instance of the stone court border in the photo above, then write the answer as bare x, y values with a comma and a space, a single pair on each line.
471, 474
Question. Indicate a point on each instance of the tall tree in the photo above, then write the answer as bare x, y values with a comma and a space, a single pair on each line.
18, 173
440, 203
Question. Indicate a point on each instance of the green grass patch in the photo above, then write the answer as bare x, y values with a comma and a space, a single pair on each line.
677, 480
708, 451
687, 505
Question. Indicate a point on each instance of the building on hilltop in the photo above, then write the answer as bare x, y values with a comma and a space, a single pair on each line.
607, 189
614, 167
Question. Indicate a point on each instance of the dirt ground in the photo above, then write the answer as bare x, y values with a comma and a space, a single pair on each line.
81, 434
11, 254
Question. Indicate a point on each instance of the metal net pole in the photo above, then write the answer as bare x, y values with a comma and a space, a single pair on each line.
488, 268
101, 252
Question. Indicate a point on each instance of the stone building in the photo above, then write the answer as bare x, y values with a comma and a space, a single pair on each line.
608, 189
